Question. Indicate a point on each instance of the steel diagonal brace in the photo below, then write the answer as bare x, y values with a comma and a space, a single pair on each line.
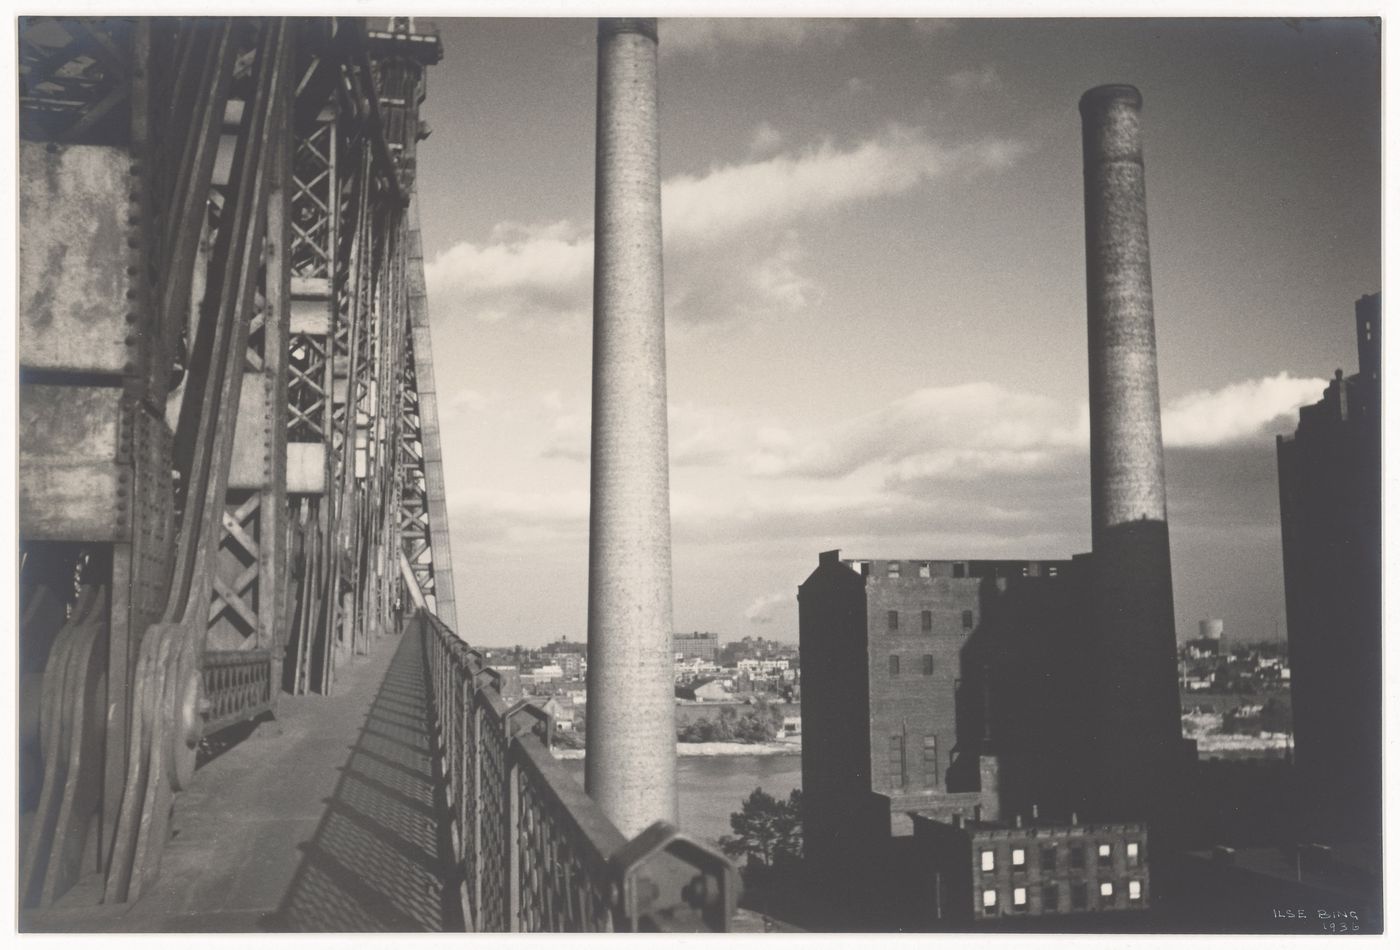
195, 172
165, 719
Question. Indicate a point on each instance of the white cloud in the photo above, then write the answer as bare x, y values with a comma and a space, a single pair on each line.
954, 431
542, 273
973, 430
698, 436
699, 34
762, 609
732, 198
520, 272
452, 405
521, 517
1236, 412
765, 140
984, 77
758, 278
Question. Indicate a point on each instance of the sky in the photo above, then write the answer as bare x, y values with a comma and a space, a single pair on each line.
874, 270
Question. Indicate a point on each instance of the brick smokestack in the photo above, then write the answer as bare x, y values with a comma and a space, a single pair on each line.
1138, 709
631, 764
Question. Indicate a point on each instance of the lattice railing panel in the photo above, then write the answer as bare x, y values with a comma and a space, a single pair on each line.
237, 686
537, 854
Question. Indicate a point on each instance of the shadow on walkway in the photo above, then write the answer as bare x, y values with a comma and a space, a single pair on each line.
381, 858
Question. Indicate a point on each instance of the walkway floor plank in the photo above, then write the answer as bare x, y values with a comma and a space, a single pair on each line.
285, 832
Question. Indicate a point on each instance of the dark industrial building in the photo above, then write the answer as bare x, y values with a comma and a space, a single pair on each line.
981, 870
1329, 474
956, 690
944, 686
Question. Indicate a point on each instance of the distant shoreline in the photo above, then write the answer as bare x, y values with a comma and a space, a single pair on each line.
714, 749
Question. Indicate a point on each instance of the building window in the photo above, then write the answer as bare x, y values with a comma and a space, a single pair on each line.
959, 570
898, 774
894, 664
926, 621
1134, 890
1105, 855
925, 570
931, 779
893, 619
1050, 898
892, 570
967, 620
1047, 857
1052, 571
1134, 859
1078, 896
1106, 889
989, 860
928, 664
1018, 898
1018, 857
989, 901
1076, 856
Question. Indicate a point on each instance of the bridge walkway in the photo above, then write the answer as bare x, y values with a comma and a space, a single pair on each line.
329, 818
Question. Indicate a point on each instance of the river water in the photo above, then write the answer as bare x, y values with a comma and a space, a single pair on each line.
712, 787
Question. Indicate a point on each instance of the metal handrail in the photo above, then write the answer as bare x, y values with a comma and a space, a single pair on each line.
535, 852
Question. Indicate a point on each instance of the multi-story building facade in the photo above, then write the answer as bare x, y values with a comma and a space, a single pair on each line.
977, 870
1330, 506
697, 645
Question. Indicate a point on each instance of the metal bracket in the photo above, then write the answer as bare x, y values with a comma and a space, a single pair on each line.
671, 882
518, 721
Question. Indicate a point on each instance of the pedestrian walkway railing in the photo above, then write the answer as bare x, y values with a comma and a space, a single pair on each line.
535, 852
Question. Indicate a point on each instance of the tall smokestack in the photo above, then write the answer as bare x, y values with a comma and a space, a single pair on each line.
1139, 710
631, 762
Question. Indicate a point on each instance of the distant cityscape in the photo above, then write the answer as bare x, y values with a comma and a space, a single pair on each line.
1236, 701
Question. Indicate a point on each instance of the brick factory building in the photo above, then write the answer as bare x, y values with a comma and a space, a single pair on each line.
949, 688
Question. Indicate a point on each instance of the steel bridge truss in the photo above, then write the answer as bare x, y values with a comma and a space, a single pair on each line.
230, 475
230, 467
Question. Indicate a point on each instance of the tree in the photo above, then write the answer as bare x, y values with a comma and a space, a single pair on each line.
767, 832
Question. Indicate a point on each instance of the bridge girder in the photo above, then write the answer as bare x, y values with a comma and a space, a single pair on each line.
217, 346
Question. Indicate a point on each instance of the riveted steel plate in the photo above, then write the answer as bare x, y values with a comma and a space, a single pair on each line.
71, 483
306, 468
73, 257
249, 466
